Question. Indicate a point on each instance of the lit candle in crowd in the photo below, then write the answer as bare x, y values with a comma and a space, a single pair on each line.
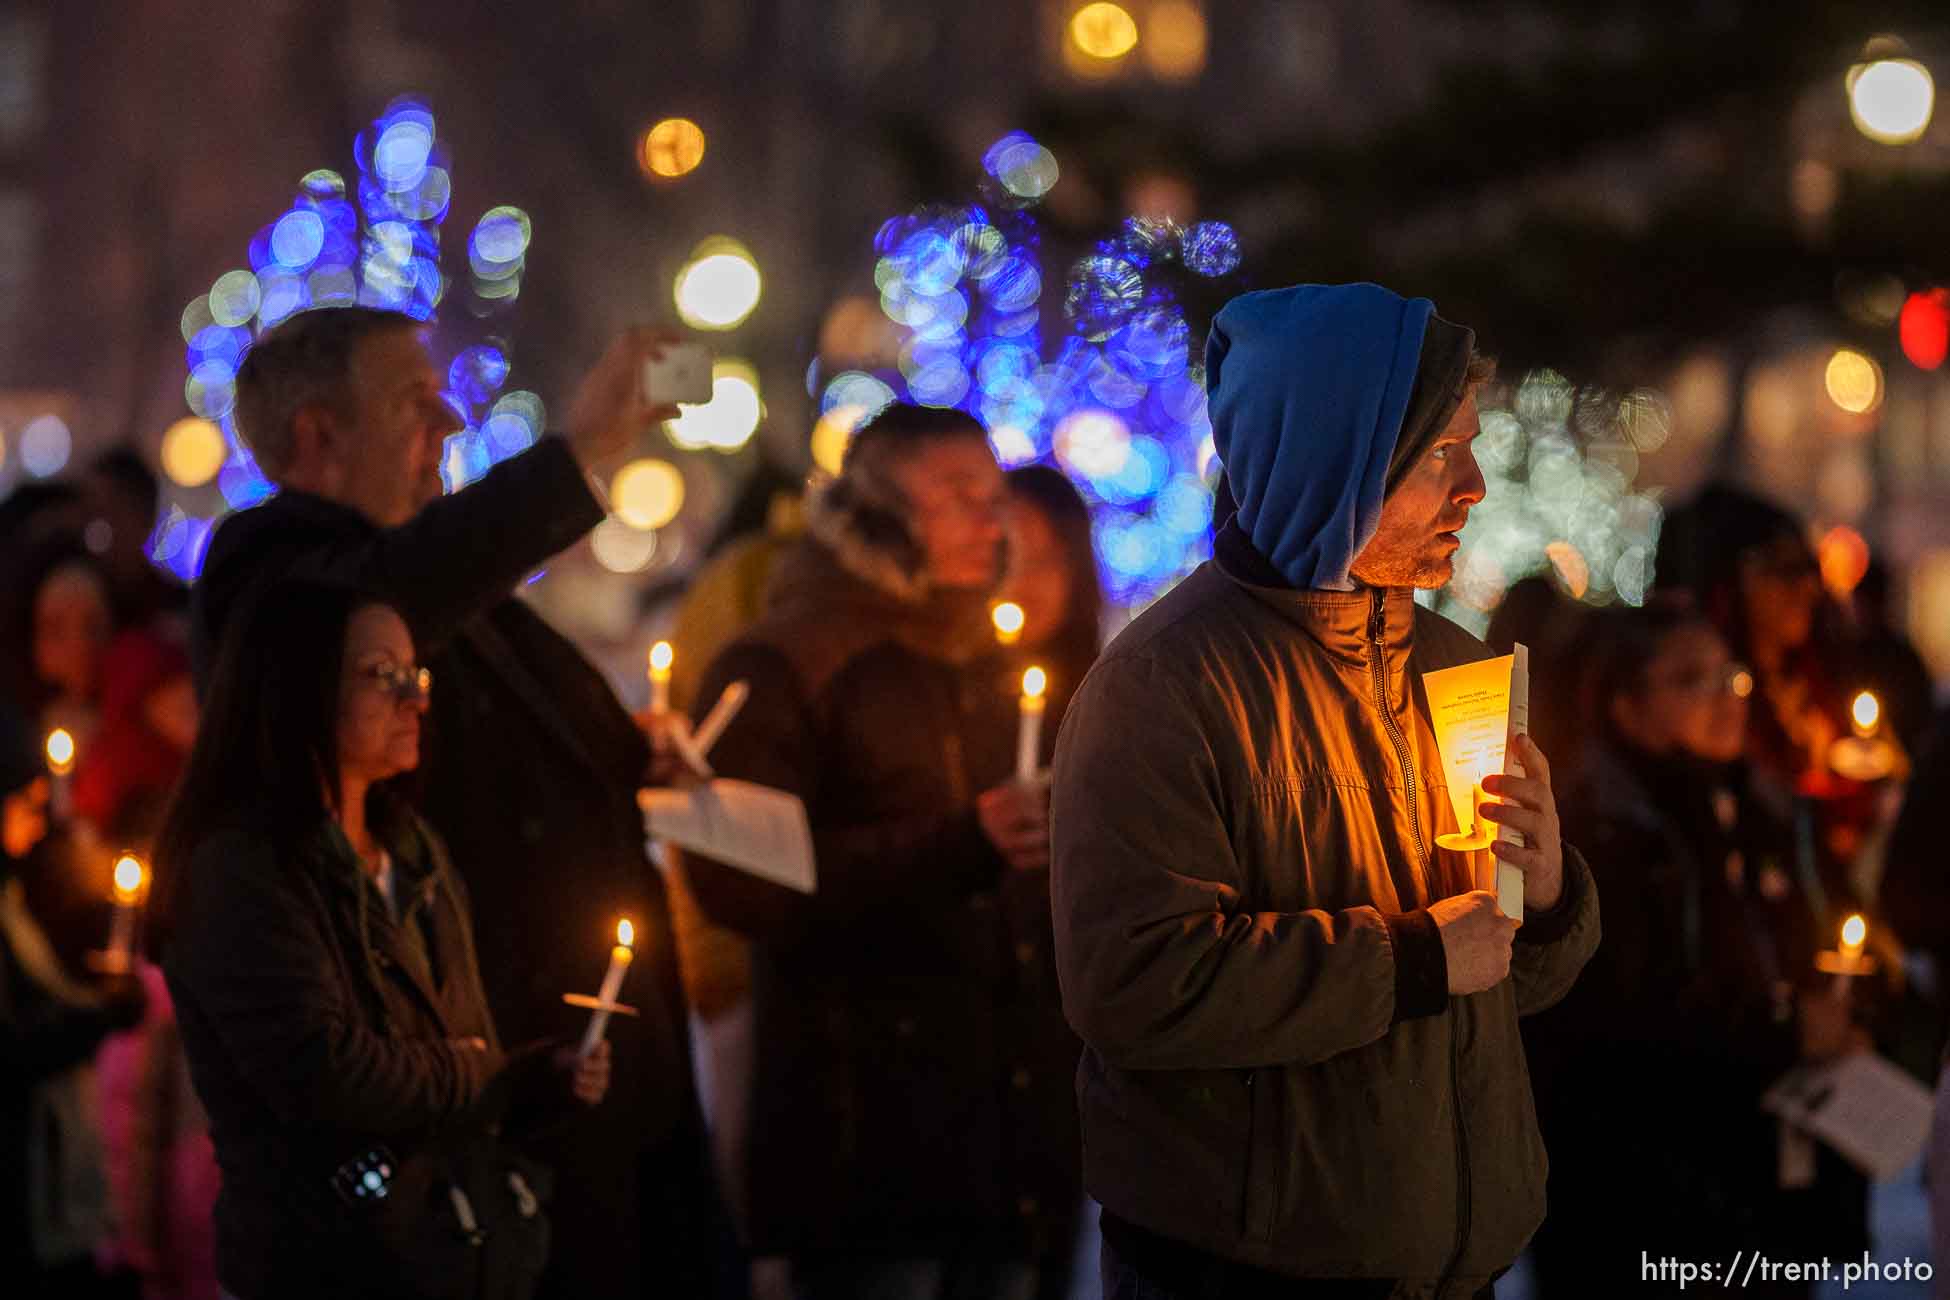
60, 751
129, 877
1866, 714
619, 965
1008, 622
661, 658
60, 762
1029, 735
1855, 934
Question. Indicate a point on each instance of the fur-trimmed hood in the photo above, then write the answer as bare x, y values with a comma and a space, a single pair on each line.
861, 517
826, 603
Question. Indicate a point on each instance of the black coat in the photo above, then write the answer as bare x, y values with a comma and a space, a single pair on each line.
530, 771
314, 1032
914, 1073
1649, 1074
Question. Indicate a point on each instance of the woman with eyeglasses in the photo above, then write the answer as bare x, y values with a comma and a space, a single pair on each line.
320, 955
1649, 1074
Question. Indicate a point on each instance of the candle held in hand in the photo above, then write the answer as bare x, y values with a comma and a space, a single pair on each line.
1865, 714
1855, 934
1029, 733
129, 879
619, 965
661, 658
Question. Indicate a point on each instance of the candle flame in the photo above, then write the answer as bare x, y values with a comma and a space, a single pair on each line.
1867, 711
662, 657
625, 934
1034, 683
60, 747
128, 876
1008, 618
1855, 932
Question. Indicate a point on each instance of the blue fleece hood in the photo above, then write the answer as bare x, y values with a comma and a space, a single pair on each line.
1307, 389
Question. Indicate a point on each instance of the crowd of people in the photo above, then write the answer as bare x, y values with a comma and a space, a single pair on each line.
1204, 967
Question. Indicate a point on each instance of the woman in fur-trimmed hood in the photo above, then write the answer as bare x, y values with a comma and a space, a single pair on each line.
912, 1100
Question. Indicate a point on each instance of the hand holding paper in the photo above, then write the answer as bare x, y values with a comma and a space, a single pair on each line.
1530, 808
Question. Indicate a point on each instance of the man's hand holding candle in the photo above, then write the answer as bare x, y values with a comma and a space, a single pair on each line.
587, 1073
1015, 817
1530, 807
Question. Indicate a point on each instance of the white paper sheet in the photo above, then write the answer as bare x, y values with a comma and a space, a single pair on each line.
1864, 1106
1509, 876
752, 827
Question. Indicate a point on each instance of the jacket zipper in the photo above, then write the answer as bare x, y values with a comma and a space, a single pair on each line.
1378, 634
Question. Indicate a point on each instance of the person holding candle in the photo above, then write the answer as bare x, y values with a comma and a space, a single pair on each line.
913, 1132
533, 762
1052, 577
1705, 991
1749, 567
54, 1209
1301, 1060
320, 954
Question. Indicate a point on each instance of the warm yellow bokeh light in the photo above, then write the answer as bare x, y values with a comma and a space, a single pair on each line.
625, 933
193, 450
673, 147
831, 434
1174, 40
1009, 621
647, 493
1854, 381
1573, 570
1855, 932
128, 877
60, 750
1104, 30
1034, 683
1891, 100
662, 656
728, 420
720, 286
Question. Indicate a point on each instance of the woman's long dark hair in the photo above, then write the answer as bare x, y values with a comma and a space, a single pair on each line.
1076, 643
266, 752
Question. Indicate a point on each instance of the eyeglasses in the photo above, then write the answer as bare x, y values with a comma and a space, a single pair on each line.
1733, 679
406, 683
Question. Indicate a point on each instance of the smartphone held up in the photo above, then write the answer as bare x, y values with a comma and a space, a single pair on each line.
681, 374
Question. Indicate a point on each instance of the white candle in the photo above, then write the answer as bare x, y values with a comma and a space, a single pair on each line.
661, 658
1865, 713
60, 762
1009, 621
128, 896
1029, 733
619, 965
1855, 934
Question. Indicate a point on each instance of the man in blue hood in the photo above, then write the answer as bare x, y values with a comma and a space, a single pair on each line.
1302, 1074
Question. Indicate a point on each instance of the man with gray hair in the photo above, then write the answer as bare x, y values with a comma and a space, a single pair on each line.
533, 765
